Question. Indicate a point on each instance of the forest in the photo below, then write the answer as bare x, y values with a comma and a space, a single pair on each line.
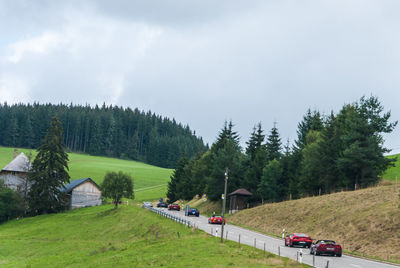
107, 130
334, 152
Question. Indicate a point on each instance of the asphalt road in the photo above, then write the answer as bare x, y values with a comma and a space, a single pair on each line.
275, 245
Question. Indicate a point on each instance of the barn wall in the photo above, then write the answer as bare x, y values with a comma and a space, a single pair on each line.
85, 195
14, 180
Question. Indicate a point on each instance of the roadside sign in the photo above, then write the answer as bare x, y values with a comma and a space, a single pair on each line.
222, 196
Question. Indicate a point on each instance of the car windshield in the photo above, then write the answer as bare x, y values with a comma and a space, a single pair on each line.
327, 242
301, 235
217, 216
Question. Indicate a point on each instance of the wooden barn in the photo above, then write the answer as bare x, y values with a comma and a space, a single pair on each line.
83, 193
15, 174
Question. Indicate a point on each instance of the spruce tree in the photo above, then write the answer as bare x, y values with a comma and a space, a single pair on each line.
256, 159
49, 173
273, 145
175, 188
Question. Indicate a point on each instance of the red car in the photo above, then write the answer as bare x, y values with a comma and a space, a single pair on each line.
216, 220
326, 247
298, 239
174, 207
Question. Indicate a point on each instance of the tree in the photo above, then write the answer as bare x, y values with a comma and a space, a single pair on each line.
174, 191
268, 187
11, 204
49, 173
116, 186
256, 159
225, 153
273, 145
362, 160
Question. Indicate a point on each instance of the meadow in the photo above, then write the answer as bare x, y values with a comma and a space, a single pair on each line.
393, 173
126, 237
150, 182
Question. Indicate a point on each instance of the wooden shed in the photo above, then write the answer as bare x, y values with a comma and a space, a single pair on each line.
83, 193
15, 174
238, 200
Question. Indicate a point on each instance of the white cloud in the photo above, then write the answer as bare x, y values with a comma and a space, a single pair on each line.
37, 45
13, 89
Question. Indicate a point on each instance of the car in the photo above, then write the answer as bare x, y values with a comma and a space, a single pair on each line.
328, 247
216, 220
174, 207
298, 239
162, 205
147, 205
192, 211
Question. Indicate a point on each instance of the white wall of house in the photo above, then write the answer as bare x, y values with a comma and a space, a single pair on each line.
14, 180
85, 195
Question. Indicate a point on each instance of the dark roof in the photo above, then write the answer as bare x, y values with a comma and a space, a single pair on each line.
241, 191
75, 183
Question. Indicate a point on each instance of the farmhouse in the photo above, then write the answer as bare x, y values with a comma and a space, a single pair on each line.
15, 173
83, 193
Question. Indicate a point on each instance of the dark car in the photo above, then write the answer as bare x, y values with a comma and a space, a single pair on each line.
192, 211
216, 220
174, 207
328, 247
162, 205
298, 239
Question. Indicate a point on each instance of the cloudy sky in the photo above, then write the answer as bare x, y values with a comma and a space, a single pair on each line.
204, 62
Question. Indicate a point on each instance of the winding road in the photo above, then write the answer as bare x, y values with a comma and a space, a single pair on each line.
276, 246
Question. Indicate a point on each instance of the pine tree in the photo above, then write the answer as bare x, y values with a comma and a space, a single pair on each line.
49, 173
256, 159
273, 145
175, 190
225, 153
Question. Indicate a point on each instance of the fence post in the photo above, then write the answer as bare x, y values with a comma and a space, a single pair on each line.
279, 251
226, 235
327, 264
239, 240
313, 259
264, 249
255, 241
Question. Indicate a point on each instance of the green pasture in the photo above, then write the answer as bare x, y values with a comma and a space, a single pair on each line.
126, 237
95, 167
393, 172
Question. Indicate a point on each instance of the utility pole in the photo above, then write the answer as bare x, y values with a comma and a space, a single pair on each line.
223, 206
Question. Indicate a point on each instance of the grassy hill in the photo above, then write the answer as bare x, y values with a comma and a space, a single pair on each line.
103, 237
150, 181
365, 221
393, 172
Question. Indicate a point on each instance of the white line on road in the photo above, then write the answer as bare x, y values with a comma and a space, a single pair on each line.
355, 265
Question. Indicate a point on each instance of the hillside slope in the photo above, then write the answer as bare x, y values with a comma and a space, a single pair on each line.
150, 181
366, 221
104, 237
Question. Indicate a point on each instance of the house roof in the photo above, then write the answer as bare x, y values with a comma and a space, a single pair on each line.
75, 183
241, 191
20, 163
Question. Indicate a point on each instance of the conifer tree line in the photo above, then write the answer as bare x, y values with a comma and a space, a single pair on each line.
334, 152
107, 130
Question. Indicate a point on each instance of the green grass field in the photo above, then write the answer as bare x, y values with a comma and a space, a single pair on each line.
104, 237
150, 182
393, 172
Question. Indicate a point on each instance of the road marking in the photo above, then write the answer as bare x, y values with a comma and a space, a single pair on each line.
355, 265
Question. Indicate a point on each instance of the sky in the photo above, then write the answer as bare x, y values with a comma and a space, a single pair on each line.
205, 62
